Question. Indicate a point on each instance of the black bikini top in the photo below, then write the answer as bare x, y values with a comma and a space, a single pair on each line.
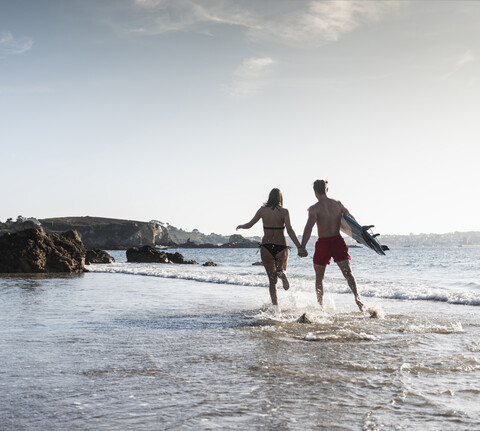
274, 228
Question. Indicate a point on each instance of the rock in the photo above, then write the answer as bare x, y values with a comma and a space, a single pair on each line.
178, 258
191, 244
304, 318
33, 251
27, 224
210, 263
238, 241
98, 256
257, 264
148, 254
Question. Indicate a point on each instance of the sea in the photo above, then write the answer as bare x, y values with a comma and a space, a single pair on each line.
131, 346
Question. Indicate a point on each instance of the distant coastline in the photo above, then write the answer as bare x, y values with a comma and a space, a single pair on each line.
109, 233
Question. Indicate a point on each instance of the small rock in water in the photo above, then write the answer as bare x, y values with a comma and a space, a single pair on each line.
304, 318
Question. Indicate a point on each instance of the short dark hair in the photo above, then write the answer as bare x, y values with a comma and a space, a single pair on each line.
275, 199
320, 186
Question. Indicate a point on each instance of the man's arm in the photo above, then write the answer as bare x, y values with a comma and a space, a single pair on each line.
307, 232
345, 211
248, 225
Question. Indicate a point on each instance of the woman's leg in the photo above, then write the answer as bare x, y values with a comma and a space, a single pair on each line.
271, 268
281, 260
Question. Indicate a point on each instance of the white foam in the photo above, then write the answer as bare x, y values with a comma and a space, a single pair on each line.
301, 294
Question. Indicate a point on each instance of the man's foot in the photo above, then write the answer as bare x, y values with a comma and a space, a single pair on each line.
359, 303
282, 276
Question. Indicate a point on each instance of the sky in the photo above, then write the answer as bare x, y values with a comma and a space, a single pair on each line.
190, 112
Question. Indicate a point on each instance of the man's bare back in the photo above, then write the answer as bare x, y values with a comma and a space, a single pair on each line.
328, 215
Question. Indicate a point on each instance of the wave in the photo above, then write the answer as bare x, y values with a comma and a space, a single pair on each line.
243, 276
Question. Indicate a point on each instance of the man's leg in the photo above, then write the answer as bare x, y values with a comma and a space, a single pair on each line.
346, 269
319, 275
271, 268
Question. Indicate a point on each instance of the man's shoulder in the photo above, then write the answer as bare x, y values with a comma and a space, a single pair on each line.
328, 203
314, 207
335, 202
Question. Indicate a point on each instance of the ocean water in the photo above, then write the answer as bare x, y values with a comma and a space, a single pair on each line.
151, 346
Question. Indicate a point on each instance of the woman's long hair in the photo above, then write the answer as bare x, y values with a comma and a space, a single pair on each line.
275, 199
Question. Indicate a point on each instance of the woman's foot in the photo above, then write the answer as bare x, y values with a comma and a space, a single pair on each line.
282, 276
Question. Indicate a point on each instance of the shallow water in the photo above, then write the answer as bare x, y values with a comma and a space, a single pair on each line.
120, 351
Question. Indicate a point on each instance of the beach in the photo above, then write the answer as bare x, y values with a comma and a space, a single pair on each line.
151, 346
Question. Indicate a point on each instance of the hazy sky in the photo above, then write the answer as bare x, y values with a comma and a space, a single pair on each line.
190, 111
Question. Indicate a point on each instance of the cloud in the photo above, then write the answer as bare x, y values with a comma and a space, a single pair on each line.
251, 77
11, 46
254, 67
299, 23
465, 58
459, 63
165, 16
320, 22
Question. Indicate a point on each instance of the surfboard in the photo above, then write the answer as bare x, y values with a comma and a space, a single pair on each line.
360, 234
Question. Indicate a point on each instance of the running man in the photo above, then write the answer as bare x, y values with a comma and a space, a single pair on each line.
327, 214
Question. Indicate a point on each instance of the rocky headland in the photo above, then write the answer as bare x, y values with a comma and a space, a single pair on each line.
111, 234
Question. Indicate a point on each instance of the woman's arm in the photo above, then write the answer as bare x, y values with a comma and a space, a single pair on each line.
290, 231
307, 232
248, 225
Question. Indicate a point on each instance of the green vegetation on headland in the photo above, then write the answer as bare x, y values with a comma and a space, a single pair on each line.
109, 233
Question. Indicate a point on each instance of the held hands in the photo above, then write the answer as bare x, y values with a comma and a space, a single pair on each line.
302, 252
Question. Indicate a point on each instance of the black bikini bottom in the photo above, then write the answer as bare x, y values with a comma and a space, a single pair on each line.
274, 249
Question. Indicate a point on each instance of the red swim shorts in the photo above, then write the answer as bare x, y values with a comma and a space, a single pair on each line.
326, 248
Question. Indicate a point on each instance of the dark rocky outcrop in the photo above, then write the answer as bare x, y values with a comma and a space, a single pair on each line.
191, 244
210, 263
238, 241
235, 241
148, 254
34, 251
98, 256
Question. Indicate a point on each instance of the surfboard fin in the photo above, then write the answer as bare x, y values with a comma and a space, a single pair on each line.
365, 228
375, 235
